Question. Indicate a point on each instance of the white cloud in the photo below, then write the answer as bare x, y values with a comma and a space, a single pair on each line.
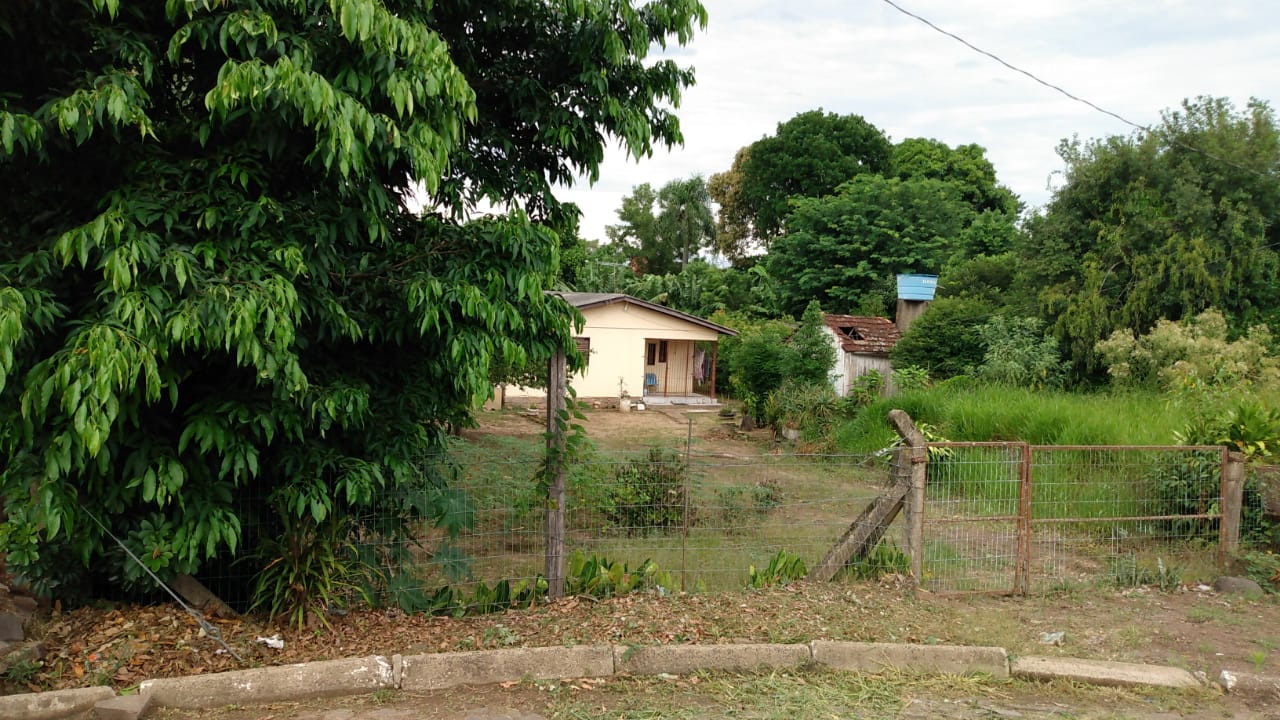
759, 63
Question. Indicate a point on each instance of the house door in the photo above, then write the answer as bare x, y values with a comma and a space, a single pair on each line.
655, 366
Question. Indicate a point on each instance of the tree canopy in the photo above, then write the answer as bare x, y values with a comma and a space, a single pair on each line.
841, 247
217, 316
965, 166
810, 155
664, 241
1146, 227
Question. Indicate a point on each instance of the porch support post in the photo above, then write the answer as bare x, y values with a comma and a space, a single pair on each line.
715, 347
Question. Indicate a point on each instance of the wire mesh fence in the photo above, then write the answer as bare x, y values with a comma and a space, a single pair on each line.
997, 517
972, 516
1012, 517
702, 521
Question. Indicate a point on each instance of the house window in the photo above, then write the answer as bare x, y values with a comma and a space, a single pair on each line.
584, 347
662, 351
650, 353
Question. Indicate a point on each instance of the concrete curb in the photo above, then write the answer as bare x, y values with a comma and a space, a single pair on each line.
912, 659
53, 704
484, 667
1255, 687
355, 676
678, 659
1103, 672
327, 678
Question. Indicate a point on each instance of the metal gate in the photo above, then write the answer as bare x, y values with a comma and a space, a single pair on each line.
1011, 518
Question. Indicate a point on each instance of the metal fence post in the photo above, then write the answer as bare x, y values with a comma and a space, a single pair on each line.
1232, 504
556, 377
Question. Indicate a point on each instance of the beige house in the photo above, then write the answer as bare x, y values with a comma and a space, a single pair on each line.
641, 348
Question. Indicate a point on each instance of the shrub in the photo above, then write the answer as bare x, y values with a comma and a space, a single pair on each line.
1018, 354
312, 566
1263, 568
739, 504
1187, 484
813, 357
783, 568
884, 559
809, 407
766, 355
944, 340
910, 378
865, 389
648, 493
1192, 355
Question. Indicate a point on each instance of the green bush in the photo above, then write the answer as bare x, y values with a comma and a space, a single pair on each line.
944, 340
1187, 484
1193, 354
309, 568
808, 407
648, 493
766, 355
884, 559
910, 378
740, 504
783, 568
1263, 568
865, 389
1018, 354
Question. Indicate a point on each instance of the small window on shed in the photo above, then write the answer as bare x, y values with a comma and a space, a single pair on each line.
584, 347
851, 332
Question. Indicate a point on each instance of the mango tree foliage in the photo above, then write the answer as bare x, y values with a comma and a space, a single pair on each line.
1161, 225
215, 306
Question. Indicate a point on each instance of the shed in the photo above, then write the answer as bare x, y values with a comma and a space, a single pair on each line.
862, 344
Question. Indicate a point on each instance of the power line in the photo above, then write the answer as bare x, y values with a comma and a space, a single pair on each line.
1057, 89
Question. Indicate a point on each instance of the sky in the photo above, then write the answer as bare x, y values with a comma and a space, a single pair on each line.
761, 62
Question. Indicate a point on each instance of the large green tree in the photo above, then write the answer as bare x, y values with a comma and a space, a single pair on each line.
1161, 225
217, 313
664, 229
840, 248
810, 155
966, 166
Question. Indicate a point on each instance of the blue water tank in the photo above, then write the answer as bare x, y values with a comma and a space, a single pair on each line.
917, 287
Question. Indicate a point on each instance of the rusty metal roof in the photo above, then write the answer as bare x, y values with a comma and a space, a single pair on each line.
863, 335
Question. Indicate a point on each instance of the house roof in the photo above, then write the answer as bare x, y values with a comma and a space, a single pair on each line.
863, 335
586, 301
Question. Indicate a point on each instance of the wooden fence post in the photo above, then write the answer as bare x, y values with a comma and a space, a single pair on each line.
870, 525
556, 377
916, 456
1232, 505
919, 459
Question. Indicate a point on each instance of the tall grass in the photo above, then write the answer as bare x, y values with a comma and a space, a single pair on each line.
991, 413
